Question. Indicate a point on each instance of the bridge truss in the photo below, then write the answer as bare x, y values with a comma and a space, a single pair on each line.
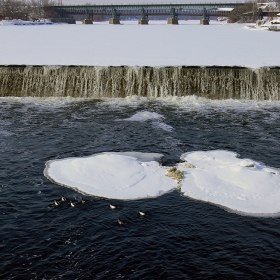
151, 9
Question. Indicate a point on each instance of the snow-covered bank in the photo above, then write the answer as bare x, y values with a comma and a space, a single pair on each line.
157, 44
25, 22
122, 81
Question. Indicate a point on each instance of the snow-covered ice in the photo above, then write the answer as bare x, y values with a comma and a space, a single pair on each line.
144, 116
112, 175
156, 44
155, 117
240, 185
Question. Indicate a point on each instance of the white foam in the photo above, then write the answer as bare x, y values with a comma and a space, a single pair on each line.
188, 103
241, 185
42, 101
111, 175
162, 126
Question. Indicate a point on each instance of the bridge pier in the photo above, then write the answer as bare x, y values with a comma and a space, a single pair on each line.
144, 17
114, 21
115, 18
173, 17
143, 21
205, 19
87, 20
172, 21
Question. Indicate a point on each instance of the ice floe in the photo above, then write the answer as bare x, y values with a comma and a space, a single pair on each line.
144, 116
240, 185
155, 117
112, 175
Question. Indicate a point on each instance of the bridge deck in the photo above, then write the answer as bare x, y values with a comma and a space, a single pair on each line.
148, 6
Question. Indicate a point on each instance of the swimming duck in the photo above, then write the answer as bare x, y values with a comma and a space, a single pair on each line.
63, 198
56, 203
113, 206
141, 213
72, 204
121, 222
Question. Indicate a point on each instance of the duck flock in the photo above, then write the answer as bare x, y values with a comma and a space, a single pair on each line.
63, 201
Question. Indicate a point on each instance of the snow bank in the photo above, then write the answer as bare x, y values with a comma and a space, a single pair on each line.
112, 175
241, 185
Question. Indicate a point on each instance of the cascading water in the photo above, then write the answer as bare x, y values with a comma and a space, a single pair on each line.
213, 82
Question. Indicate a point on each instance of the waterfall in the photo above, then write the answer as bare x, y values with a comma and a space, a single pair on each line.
215, 82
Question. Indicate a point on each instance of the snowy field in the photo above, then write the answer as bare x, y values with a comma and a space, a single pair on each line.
157, 44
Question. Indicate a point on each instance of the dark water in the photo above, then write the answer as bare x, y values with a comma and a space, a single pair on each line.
178, 239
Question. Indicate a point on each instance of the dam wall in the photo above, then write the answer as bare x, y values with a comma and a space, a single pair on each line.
215, 82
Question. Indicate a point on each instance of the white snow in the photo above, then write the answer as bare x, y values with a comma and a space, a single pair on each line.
225, 9
156, 44
111, 175
240, 185
25, 22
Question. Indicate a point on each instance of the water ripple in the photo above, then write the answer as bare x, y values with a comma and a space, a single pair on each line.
179, 238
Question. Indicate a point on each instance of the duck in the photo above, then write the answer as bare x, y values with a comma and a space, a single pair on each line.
63, 198
56, 203
113, 206
141, 213
121, 222
72, 204
83, 200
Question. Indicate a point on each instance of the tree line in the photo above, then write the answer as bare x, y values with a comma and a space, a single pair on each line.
27, 9
248, 12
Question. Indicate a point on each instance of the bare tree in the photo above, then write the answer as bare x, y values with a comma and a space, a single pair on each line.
244, 13
23, 9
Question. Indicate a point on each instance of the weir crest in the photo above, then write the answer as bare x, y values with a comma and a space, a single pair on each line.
215, 82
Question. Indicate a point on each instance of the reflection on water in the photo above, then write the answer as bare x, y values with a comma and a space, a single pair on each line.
179, 238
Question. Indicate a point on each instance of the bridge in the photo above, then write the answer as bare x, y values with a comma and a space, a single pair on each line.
215, 9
